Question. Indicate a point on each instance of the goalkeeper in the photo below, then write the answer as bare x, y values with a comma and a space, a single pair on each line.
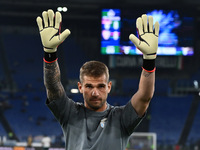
95, 124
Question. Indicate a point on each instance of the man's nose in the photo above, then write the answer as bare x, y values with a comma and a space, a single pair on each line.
95, 92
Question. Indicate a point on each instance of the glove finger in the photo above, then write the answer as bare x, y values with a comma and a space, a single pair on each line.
139, 26
134, 39
57, 40
157, 28
150, 24
64, 34
58, 19
144, 20
51, 17
39, 23
45, 18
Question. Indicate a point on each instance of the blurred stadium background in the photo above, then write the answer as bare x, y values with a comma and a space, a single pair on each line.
174, 113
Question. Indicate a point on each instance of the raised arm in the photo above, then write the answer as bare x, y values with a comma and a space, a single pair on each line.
52, 81
147, 44
142, 97
49, 27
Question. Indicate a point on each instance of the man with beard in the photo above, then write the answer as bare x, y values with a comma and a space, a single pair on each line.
96, 125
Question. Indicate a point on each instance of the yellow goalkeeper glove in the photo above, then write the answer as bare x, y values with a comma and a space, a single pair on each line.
49, 34
148, 37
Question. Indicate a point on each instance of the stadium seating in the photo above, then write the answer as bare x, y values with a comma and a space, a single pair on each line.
30, 116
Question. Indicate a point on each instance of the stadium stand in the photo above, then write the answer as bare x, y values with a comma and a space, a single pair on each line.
28, 114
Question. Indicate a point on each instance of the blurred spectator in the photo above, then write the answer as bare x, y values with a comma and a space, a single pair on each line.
29, 141
46, 142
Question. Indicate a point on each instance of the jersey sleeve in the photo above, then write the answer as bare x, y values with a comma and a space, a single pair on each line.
130, 119
61, 108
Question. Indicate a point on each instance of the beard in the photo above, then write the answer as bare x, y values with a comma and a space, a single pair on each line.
95, 103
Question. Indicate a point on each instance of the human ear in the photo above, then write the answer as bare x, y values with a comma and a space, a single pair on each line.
80, 87
109, 86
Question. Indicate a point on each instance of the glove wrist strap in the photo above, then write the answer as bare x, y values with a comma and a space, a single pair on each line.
149, 65
50, 57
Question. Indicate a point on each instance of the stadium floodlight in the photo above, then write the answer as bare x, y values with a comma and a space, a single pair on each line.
62, 9
59, 9
74, 90
196, 84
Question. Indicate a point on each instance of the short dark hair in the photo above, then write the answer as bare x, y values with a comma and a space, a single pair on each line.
94, 69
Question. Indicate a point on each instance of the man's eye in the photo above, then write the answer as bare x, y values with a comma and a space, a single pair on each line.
102, 86
88, 86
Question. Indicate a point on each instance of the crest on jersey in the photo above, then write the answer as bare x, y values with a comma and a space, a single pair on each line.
102, 123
